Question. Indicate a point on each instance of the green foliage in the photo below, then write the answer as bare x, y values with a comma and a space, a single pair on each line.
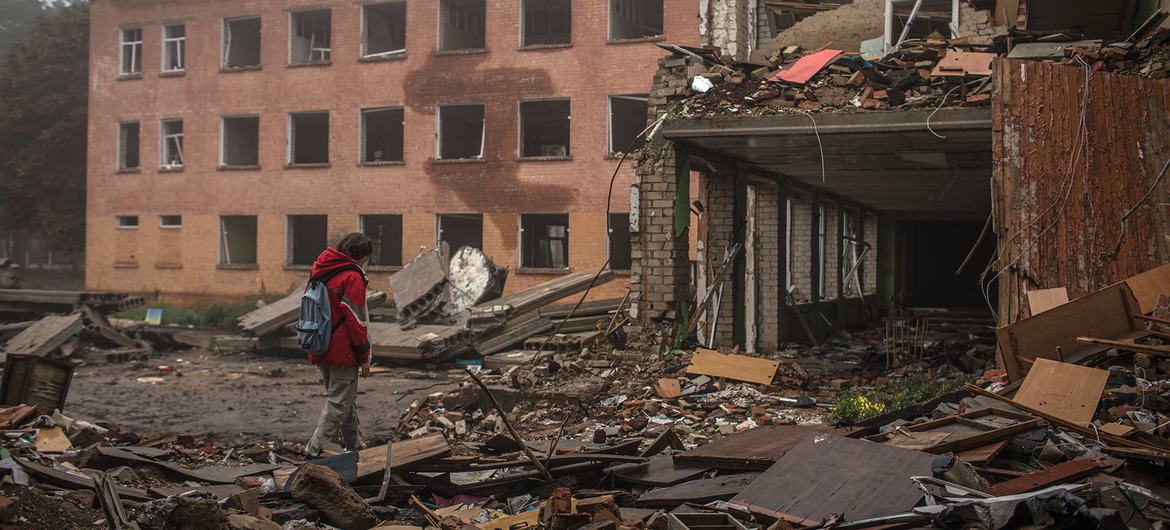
16, 20
860, 404
209, 315
43, 127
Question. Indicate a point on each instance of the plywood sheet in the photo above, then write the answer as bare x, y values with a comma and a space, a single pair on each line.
660, 471
1148, 286
825, 475
957, 63
372, 461
45, 335
1042, 300
52, 439
757, 448
1067, 391
736, 367
698, 491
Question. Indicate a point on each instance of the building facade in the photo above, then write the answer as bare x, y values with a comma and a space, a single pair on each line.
230, 142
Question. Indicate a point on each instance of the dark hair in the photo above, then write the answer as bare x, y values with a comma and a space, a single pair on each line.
356, 245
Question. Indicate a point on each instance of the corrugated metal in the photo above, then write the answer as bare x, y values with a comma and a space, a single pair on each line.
1060, 189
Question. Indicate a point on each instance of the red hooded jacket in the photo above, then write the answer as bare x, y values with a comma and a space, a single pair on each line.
350, 343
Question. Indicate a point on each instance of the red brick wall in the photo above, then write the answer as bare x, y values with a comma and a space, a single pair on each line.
148, 258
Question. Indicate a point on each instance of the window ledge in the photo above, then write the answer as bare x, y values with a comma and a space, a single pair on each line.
168, 266
538, 270
125, 264
238, 266
382, 58
655, 38
238, 69
127, 228
239, 168
617, 156
544, 158
128, 171
292, 267
467, 51
537, 47
479, 160
310, 64
622, 272
129, 77
171, 169
316, 165
172, 73
377, 163
383, 268
170, 227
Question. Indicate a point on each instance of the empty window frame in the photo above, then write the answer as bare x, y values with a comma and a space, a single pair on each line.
309, 37
130, 62
619, 242
174, 52
382, 135
386, 232
306, 237
239, 142
126, 222
384, 29
461, 130
635, 19
241, 43
544, 128
627, 119
460, 230
544, 241
308, 138
171, 146
128, 145
546, 22
462, 25
237, 240
170, 221
821, 247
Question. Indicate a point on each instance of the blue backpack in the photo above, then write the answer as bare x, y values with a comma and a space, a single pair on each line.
315, 323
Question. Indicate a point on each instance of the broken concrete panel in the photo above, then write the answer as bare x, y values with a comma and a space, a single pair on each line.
474, 278
422, 286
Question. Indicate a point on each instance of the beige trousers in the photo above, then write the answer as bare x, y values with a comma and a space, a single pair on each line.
340, 411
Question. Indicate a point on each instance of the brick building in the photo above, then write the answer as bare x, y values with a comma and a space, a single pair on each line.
229, 142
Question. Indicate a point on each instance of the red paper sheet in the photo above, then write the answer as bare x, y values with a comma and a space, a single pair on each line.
805, 68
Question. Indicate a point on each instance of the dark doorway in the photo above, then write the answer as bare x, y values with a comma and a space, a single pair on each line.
929, 252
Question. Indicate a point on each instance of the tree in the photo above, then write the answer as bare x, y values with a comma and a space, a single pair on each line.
16, 19
43, 105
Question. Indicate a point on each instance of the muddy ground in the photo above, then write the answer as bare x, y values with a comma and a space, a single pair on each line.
233, 399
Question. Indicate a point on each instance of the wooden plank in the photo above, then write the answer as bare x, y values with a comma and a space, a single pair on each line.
1066, 391
825, 475
76, 482
736, 367
1059, 474
756, 449
1041, 300
918, 441
372, 461
1148, 286
981, 455
1127, 345
697, 491
46, 335
660, 471
1118, 430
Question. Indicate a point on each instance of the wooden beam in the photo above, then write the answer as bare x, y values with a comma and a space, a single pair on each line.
1131, 346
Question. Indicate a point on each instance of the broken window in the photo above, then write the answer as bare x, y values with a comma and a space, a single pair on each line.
174, 48
127, 221
308, 138
544, 128
460, 131
462, 25
170, 221
627, 118
307, 237
386, 232
131, 59
128, 145
635, 19
237, 240
619, 242
241, 43
171, 151
309, 40
239, 141
544, 241
382, 135
461, 230
547, 22
384, 29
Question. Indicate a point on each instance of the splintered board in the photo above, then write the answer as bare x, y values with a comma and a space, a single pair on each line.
1067, 391
735, 367
826, 475
372, 461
